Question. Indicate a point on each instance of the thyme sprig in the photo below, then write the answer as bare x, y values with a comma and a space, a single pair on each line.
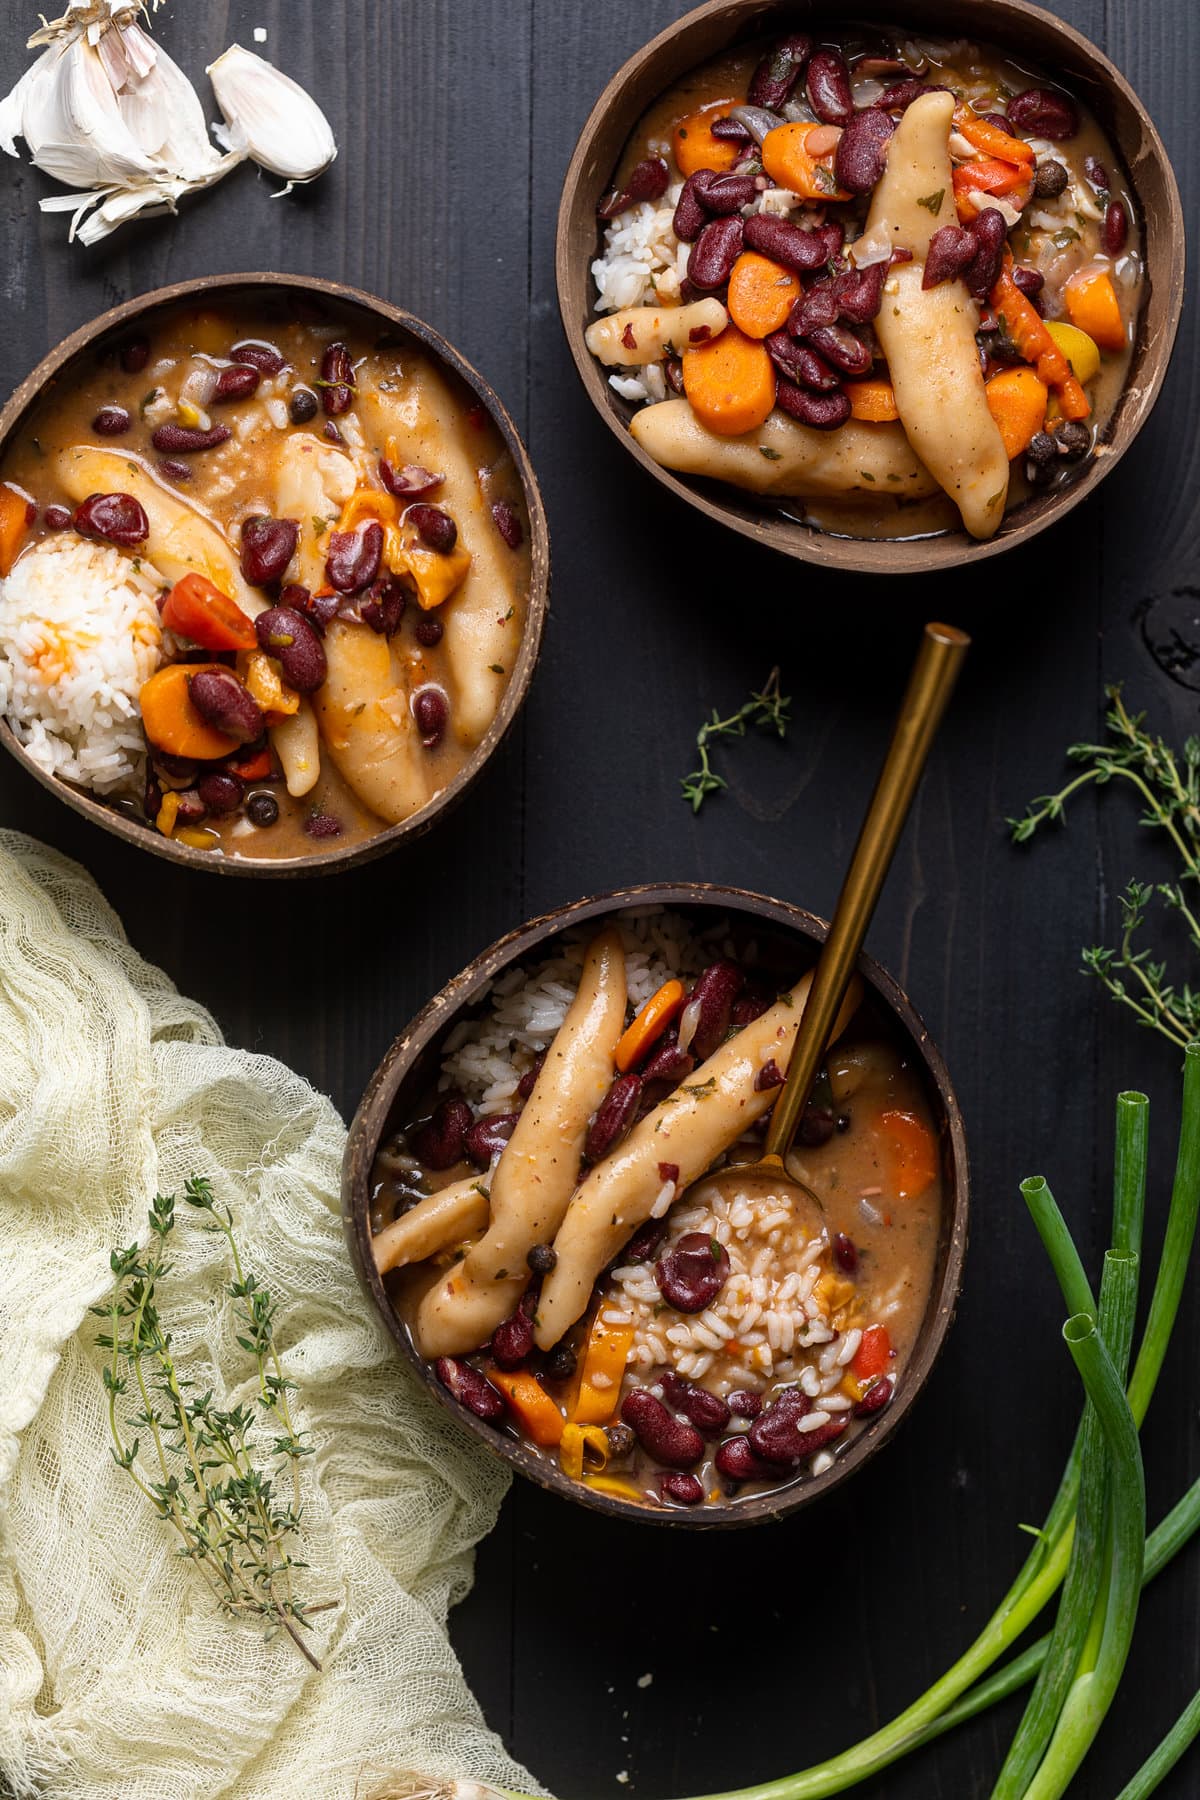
768, 709
204, 1472
1168, 783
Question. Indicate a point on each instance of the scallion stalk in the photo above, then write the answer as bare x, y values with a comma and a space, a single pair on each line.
1181, 1735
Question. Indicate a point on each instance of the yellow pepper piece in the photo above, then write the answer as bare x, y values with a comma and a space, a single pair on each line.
603, 1365
1081, 351
166, 814
265, 685
199, 840
612, 1484
578, 1442
437, 573
834, 1291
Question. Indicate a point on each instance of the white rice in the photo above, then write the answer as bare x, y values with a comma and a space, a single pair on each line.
79, 634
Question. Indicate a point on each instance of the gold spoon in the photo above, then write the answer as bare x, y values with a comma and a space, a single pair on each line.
930, 685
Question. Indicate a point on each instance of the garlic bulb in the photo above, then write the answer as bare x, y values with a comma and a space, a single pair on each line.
105, 111
270, 117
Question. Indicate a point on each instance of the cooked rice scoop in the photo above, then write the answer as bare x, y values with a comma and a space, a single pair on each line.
79, 635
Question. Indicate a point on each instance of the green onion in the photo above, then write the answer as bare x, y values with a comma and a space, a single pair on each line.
1166, 1756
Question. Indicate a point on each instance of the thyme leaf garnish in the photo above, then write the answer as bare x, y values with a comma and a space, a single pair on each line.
767, 709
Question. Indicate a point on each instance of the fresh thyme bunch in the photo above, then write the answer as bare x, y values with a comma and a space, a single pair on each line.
1168, 784
203, 1478
769, 709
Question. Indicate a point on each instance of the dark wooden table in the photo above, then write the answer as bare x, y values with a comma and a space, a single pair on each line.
771, 1648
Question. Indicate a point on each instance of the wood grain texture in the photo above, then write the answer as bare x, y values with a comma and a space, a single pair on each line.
782, 1645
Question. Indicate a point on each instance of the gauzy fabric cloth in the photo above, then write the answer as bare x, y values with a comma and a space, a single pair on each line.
120, 1679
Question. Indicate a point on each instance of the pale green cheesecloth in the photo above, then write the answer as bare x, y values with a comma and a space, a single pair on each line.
119, 1680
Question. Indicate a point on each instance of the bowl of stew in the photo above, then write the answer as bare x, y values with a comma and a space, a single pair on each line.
273, 574
527, 1200
888, 293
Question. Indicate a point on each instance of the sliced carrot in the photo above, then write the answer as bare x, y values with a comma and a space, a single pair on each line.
761, 294
258, 767
600, 1372
874, 401
172, 723
1028, 332
989, 177
911, 1152
695, 146
786, 159
1092, 305
1017, 401
649, 1025
532, 1407
873, 1354
989, 138
730, 382
17, 513
198, 610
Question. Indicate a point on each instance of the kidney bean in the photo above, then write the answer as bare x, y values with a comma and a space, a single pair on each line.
858, 293
111, 421
488, 1136
57, 518
268, 546
1116, 227
508, 524
824, 1435
816, 1125
352, 558
1030, 281
829, 87
730, 131
288, 636
259, 355
410, 482
330, 432
644, 1242
692, 1276
441, 1141
833, 237
845, 1254
951, 248
613, 1117
220, 793
900, 96
1040, 112
187, 440
822, 412
435, 527
983, 270
337, 380
745, 1404
707, 1412
470, 1388
661, 1436
720, 194
715, 252
512, 1340
685, 1490
737, 1462
775, 1434
262, 810
431, 710
815, 308
768, 1077
669, 1062
528, 1080
776, 75
839, 346
429, 631
323, 825
876, 1397
117, 518
135, 354
712, 997
302, 406
383, 605
219, 697
754, 1001
647, 181
179, 770
790, 245
1096, 173
174, 471
861, 152
190, 809
236, 383
690, 217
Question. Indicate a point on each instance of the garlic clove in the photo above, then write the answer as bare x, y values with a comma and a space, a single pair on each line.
270, 117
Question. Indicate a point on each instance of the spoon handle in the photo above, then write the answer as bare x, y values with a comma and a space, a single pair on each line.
929, 688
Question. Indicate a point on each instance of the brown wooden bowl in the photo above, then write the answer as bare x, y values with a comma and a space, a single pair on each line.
375, 314
405, 1077
1026, 32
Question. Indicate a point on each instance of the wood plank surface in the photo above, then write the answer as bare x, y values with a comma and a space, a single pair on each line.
770, 1648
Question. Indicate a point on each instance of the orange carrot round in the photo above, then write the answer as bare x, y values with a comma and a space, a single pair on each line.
649, 1025
911, 1153
761, 294
874, 401
1092, 305
730, 382
172, 723
17, 513
695, 146
197, 609
787, 160
1017, 401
